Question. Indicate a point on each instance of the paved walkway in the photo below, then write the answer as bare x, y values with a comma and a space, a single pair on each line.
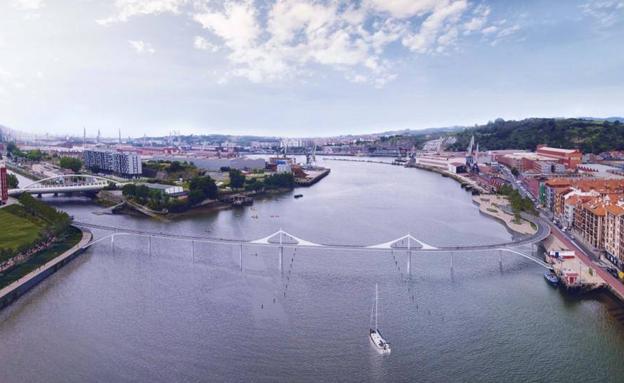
497, 206
86, 238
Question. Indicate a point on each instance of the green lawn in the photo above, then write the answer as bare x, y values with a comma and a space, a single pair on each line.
16, 231
72, 237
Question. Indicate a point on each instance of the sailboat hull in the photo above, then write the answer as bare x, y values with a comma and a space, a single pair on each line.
379, 342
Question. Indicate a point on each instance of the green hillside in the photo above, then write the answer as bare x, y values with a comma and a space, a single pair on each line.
591, 136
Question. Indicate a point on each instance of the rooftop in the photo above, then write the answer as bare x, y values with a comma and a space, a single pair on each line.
558, 150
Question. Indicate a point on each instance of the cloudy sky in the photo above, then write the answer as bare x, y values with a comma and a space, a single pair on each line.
304, 67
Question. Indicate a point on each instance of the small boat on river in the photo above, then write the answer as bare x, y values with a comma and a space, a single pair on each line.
551, 278
375, 335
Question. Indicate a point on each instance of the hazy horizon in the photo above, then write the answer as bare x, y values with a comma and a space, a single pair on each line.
302, 68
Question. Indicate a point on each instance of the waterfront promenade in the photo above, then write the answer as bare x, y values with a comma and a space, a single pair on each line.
13, 291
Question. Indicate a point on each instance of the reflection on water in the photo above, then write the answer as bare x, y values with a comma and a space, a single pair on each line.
129, 315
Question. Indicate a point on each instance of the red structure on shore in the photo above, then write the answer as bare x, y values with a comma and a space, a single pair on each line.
568, 157
4, 184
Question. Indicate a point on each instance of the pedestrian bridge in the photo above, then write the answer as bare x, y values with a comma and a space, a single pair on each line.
282, 239
66, 183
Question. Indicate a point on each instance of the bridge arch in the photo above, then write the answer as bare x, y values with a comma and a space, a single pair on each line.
69, 176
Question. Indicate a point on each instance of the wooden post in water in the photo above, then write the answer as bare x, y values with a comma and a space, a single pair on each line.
193, 250
113, 242
500, 259
149, 245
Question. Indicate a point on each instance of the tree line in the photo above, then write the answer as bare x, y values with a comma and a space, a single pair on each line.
590, 136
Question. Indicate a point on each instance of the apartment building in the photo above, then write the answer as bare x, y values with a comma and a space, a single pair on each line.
614, 234
125, 164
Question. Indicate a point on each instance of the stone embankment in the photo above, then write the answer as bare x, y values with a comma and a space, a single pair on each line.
18, 288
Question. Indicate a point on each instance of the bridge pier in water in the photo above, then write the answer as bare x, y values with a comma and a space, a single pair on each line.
241, 256
452, 265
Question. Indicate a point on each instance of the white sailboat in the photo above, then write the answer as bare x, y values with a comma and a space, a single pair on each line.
375, 335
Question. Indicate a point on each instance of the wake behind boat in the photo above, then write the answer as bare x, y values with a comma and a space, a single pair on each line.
375, 335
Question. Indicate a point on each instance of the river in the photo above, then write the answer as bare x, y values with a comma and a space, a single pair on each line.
125, 315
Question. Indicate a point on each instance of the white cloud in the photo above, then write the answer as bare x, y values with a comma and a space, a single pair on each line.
440, 21
606, 12
501, 31
129, 8
27, 5
286, 39
236, 24
489, 30
478, 20
141, 47
204, 45
406, 8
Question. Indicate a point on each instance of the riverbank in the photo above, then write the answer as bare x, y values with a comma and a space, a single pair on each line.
208, 206
21, 278
465, 182
494, 206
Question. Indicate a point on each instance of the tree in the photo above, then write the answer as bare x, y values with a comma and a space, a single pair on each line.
14, 151
34, 155
175, 166
74, 164
237, 179
129, 190
515, 172
280, 180
206, 185
196, 196
12, 181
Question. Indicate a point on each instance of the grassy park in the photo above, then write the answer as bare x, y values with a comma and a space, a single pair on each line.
16, 231
36, 230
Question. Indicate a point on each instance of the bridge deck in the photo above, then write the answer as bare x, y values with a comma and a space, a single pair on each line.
542, 232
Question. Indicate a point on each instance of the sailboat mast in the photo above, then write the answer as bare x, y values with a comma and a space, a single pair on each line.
376, 298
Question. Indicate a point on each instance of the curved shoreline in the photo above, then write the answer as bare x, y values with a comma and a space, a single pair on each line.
16, 289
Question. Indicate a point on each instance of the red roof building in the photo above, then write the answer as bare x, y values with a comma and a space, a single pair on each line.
568, 157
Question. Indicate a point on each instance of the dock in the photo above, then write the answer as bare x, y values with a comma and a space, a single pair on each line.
313, 176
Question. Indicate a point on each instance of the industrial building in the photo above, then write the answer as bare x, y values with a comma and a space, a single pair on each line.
570, 158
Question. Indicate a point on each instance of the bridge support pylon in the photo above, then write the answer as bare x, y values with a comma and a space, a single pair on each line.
240, 254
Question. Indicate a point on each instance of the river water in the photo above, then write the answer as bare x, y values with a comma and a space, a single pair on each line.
125, 315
